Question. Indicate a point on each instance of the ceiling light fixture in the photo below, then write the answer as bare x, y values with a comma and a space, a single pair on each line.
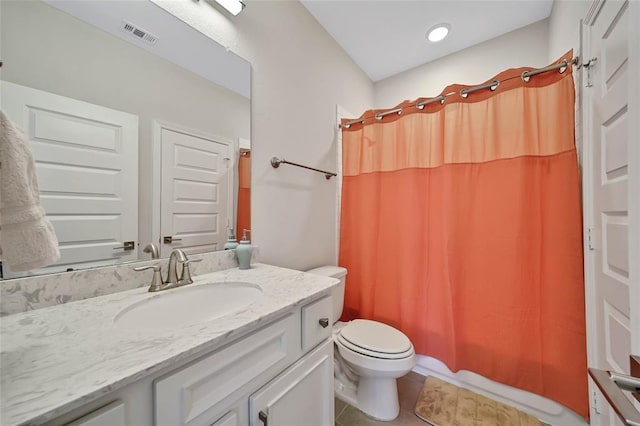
438, 32
233, 6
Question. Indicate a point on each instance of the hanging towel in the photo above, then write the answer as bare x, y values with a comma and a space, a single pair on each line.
27, 239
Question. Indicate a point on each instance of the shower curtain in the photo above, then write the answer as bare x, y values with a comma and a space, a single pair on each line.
243, 217
461, 226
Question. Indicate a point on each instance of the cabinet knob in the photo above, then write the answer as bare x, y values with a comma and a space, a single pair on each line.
263, 417
324, 322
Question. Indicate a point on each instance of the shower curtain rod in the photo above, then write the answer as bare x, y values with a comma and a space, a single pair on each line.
465, 92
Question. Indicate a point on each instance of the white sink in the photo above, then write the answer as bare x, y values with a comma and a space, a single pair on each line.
188, 305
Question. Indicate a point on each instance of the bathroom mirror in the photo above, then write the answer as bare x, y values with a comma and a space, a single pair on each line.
139, 125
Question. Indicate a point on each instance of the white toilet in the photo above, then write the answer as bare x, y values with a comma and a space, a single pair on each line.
370, 357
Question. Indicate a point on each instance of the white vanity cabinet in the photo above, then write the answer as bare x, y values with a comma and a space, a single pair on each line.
280, 374
110, 415
298, 396
242, 379
303, 394
203, 391
232, 418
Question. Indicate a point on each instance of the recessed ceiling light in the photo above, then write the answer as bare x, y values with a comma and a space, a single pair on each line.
438, 32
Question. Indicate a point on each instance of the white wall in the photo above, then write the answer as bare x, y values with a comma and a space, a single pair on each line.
564, 34
526, 46
299, 74
564, 26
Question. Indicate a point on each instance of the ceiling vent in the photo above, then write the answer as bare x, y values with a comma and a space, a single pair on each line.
138, 33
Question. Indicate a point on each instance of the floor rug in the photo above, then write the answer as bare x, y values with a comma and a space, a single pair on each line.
443, 404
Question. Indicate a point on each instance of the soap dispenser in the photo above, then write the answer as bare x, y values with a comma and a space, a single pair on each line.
231, 241
243, 251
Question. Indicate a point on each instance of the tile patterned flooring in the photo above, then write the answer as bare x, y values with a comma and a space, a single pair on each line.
408, 389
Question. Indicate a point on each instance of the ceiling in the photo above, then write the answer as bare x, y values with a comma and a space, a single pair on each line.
387, 37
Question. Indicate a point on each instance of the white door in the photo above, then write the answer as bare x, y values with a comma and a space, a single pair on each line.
195, 190
611, 192
302, 395
86, 160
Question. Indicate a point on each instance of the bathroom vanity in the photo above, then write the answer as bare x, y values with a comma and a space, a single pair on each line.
268, 363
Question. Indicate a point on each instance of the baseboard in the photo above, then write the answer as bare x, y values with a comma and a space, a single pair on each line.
548, 411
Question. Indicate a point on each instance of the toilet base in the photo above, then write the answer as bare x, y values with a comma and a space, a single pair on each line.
346, 393
377, 398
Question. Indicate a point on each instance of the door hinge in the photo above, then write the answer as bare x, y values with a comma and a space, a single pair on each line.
588, 66
593, 238
596, 403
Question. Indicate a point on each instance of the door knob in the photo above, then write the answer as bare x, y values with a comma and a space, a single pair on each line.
127, 245
628, 383
168, 239
610, 384
324, 322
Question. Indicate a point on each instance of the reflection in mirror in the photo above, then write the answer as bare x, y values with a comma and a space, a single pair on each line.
244, 189
139, 126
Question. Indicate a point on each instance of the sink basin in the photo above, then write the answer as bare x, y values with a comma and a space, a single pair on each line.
188, 305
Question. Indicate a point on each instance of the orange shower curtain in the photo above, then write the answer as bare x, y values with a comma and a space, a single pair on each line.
243, 218
461, 226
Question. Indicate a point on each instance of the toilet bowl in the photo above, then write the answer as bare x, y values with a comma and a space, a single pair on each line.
369, 356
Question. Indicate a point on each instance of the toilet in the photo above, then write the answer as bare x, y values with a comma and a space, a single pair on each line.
369, 356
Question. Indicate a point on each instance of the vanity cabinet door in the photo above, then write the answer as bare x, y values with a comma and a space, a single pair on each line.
109, 415
302, 395
200, 393
229, 419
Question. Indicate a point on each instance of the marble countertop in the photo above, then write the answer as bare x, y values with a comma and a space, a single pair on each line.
56, 359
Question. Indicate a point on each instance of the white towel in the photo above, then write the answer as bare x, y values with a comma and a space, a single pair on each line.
27, 239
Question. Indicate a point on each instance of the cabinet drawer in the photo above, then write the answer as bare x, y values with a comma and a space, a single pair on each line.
316, 322
200, 393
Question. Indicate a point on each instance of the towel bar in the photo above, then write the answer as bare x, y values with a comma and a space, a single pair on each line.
275, 163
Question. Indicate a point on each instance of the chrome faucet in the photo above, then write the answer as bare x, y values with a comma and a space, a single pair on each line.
152, 249
177, 255
172, 280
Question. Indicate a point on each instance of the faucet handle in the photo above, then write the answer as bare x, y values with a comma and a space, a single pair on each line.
185, 277
156, 281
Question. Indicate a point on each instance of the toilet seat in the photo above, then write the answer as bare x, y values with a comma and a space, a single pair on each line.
375, 339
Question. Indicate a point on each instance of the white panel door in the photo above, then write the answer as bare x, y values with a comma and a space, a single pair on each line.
86, 160
194, 193
609, 191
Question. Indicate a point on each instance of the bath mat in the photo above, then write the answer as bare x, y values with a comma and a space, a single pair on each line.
443, 404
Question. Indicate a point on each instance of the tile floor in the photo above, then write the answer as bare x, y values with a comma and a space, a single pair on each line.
408, 389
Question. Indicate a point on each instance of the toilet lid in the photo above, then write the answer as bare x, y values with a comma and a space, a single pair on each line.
375, 338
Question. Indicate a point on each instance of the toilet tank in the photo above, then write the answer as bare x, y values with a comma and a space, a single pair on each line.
337, 293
